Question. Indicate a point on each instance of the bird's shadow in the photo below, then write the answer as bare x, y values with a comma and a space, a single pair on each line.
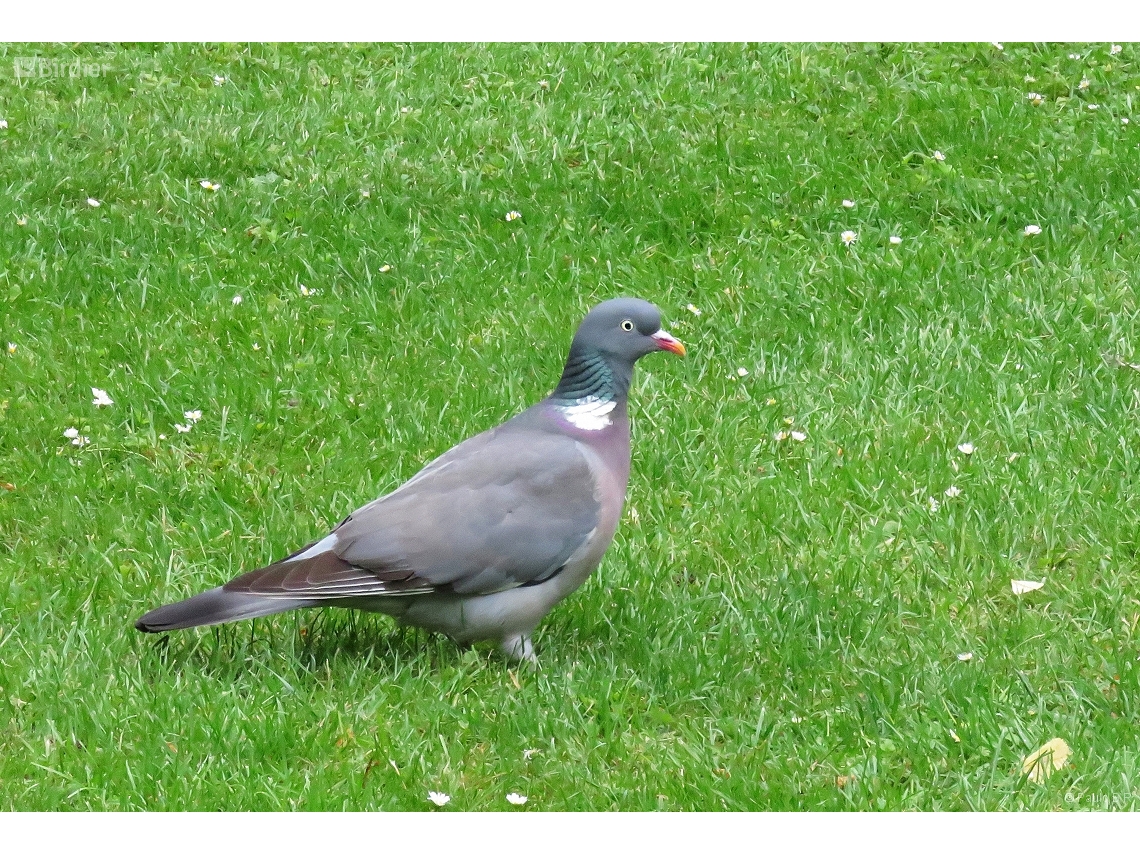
309, 645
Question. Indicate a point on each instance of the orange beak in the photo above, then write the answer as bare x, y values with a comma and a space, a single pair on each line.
667, 342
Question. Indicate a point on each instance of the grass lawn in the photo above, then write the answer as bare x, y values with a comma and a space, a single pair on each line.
809, 551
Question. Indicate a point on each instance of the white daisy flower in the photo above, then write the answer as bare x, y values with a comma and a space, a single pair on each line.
11, 347
939, 156
101, 398
1124, 120
966, 448
933, 504
183, 428
848, 203
895, 240
192, 415
219, 80
438, 799
1074, 56
998, 45
741, 371
693, 309
848, 237
516, 799
3, 124
798, 436
965, 657
236, 300
1031, 230
953, 492
209, 185
23, 221
512, 216
76, 440
1035, 98
1114, 50
94, 203
781, 435
1084, 84
1094, 106
384, 268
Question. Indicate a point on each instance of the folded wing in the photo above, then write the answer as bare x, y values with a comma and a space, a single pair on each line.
503, 509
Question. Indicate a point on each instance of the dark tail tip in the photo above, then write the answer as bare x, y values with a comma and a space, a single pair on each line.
213, 607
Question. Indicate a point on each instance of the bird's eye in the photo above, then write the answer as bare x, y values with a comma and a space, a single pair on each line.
627, 325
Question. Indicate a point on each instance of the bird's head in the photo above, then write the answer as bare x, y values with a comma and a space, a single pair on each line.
624, 330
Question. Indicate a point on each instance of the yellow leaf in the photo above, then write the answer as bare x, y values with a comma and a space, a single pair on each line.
1045, 760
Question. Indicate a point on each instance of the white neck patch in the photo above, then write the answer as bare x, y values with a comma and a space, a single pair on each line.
589, 413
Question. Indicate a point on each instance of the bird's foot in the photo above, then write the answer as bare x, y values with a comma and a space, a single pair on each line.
519, 648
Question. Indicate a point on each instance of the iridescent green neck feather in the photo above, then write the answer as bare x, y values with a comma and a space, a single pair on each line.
591, 388
588, 375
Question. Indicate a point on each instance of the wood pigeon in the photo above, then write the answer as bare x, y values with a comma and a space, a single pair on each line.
486, 539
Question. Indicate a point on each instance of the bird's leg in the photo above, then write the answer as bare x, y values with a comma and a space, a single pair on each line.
518, 647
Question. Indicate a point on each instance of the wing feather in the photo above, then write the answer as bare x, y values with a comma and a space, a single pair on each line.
503, 509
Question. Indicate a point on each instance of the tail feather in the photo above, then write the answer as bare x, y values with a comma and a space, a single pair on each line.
214, 607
